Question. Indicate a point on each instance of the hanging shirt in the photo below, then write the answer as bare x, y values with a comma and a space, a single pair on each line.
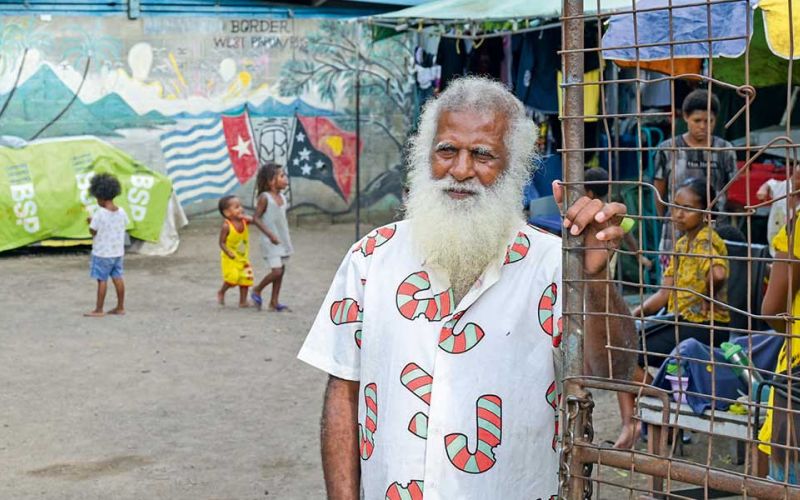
453, 58
536, 85
456, 399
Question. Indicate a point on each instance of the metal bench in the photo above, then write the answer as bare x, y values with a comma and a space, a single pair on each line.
742, 428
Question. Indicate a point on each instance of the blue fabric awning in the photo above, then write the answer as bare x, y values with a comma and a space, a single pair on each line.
687, 28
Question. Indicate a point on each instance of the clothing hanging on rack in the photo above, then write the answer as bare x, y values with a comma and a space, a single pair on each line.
486, 58
452, 57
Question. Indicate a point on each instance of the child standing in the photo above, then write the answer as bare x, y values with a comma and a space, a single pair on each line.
234, 240
276, 245
107, 226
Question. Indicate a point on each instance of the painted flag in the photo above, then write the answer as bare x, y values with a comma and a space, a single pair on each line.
323, 152
209, 158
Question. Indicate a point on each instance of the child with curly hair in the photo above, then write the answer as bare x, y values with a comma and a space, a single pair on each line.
107, 226
234, 244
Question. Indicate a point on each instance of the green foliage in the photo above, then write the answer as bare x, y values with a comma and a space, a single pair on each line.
15, 38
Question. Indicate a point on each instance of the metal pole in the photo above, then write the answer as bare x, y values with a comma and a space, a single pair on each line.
572, 33
358, 131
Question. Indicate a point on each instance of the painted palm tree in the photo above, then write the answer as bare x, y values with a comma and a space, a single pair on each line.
329, 64
84, 46
16, 40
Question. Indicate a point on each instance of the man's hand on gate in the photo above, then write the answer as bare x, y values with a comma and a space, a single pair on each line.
598, 221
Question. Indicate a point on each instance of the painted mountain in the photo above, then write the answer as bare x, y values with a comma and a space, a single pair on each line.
274, 108
270, 108
43, 96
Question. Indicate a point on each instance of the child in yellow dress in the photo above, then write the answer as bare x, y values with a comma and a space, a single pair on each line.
234, 239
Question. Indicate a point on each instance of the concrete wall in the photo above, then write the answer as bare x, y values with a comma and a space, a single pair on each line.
208, 99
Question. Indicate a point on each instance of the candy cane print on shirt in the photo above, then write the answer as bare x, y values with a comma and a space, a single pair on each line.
433, 309
366, 433
397, 491
549, 324
418, 425
420, 383
375, 239
550, 396
347, 311
462, 341
490, 425
553, 398
519, 249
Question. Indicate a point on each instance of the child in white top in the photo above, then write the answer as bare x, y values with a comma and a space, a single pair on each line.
107, 226
776, 189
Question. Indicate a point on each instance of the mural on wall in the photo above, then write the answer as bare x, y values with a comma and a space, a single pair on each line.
208, 100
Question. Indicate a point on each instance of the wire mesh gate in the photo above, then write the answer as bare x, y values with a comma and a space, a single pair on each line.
740, 394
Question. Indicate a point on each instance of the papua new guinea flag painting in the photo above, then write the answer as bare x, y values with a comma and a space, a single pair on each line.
321, 151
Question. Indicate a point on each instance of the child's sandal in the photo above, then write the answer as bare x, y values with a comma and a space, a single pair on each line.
257, 300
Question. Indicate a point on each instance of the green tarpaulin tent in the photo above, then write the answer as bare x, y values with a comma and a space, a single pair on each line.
44, 191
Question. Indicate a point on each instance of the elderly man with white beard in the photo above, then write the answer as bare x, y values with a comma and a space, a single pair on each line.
440, 332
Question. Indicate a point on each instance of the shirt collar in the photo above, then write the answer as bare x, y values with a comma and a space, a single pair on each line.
485, 281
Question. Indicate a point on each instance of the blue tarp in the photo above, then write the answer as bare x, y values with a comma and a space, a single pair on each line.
688, 24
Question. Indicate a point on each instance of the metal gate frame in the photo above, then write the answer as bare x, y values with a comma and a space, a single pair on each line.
579, 453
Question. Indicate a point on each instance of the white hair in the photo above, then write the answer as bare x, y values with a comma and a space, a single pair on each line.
480, 95
463, 236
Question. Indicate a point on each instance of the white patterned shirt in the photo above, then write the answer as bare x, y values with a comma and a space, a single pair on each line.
456, 400
110, 238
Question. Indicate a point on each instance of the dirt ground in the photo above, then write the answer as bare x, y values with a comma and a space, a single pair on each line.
180, 399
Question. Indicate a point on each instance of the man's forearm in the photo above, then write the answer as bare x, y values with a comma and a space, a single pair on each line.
339, 437
608, 329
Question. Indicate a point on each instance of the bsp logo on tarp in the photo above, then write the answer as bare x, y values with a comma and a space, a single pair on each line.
139, 195
22, 196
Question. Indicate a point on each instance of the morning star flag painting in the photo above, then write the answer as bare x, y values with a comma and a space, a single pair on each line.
323, 152
209, 158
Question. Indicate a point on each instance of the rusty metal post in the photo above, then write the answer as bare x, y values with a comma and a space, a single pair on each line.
572, 69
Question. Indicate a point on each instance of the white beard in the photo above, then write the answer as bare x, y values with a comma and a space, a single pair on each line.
463, 236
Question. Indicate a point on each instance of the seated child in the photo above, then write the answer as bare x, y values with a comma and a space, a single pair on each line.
697, 269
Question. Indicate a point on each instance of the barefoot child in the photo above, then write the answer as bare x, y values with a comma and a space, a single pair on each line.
276, 245
107, 226
234, 241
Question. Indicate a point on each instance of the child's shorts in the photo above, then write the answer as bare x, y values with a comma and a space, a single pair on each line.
101, 268
273, 261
